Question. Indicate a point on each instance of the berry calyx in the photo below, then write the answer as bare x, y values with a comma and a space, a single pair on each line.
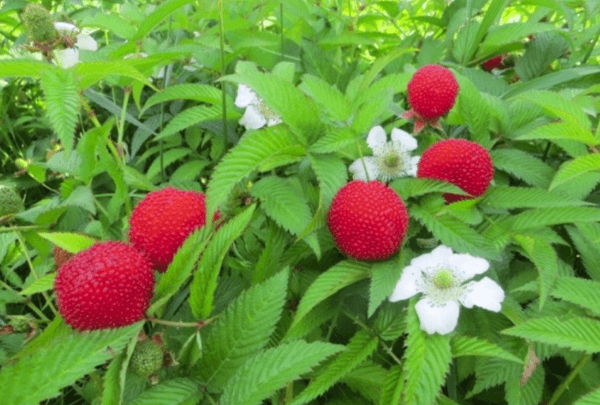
431, 92
368, 221
162, 221
61, 256
106, 286
463, 163
147, 358
38, 23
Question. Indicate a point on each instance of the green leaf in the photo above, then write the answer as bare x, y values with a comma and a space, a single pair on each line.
367, 380
558, 106
552, 216
475, 111
512, 32
591, 398
89, 73
283, 202
173, 392
242, 331
255, 149
328, 283
204, 284
543, 255
384, 277
580, 334
62, 102
114, 379
265, 373
580, 291
44, 283
586, 237
393, 387
523, 166
426, 362
412, 187
452, 232
561, 130
60, 363
491, 17
361, 346
157, 16
26, 68
187, 91
193, 116
332, 175
528, 394
334, 140
472, 346
71, 242
547, 47
523, 197
181, 267
552, 79
329, 99
576, 167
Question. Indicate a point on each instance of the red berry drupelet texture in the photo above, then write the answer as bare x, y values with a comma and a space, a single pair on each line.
106, 286
463, 163
432, 92
368, 221
162, 221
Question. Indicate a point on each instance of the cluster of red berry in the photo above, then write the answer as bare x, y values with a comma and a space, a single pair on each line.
368, 221
111, 284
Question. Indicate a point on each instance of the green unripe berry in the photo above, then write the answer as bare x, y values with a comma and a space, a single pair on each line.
38, 23
147, 358
10, 201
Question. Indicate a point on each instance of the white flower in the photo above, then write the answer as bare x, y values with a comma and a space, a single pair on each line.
441, 276
257, 112
390, 159
70, 56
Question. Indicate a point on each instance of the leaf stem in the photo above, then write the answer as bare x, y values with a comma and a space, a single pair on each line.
372, 332
362, 160
179, 324
565, 384
223, 68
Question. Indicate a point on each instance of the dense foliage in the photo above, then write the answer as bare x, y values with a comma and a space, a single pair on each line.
264, 106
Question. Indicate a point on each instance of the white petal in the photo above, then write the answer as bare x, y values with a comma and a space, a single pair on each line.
434, 318
410, 283
467, 266
67, 57
252, 118
245, 96
376, 138
486, 294
87, 43
64, 28
405, 139
411, 170
358, 169
434, 260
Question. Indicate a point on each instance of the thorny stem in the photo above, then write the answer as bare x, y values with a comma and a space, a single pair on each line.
565, 384
372, 332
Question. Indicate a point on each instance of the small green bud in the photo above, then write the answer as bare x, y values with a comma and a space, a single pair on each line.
38, 23
10, 201
21, 163
443, 279
147, 358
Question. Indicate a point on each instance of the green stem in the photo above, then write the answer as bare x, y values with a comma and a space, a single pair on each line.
223, 68
22, 228
121, 127
372, 332
576, 370
362, 160
289, 392
451, 382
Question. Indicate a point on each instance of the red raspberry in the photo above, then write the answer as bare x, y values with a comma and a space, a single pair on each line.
463, 163
497, 62
162, 221
431, 94
106, 286
368, 221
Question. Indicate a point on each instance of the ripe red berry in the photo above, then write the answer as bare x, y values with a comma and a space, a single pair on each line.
162, 221
106, 286
497, 62
368, 221
463, 163
431, 94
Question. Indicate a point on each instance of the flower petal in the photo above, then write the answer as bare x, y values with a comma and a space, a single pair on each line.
411, 168
406, 140
466, 266
486, 294
432, 261
252, 118
376, 138
245, 96
67, 57
358, 169
410, 283
64, 28
87, 43
273, 119
435, 318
